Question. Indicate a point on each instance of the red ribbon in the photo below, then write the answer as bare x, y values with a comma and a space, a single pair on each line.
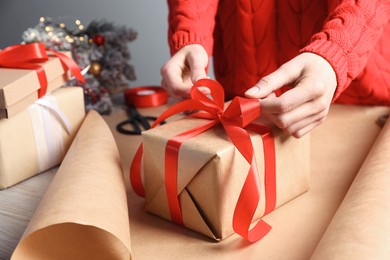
146, 96
236, 120
28, 56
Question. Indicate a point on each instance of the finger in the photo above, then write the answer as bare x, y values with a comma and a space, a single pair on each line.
303, 123
284, 75
299, 117
172, 74
197, 62
205, 90
303, 131
306, 91
165, 86
301, 128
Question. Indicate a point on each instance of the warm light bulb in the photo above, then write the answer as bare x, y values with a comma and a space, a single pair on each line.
69, 39
81, 38
81, 26
78, 22
42, 19
62, 25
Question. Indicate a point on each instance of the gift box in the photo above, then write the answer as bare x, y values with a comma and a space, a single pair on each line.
211, 173
212, 179
37, 138
19, 102
21, 84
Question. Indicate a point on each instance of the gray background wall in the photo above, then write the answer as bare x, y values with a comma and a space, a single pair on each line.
147, 17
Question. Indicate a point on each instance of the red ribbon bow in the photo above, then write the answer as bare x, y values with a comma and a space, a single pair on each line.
28, 56
236, 119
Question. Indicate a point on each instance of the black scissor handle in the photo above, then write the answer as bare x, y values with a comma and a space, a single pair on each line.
136, 121
123, 129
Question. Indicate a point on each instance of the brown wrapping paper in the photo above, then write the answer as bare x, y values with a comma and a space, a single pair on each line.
18, 137
83, 214
361, 226
212, 172
338, 149
19, 86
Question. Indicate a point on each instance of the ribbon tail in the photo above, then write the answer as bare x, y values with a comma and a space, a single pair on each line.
245, 210
269, 164
42, 81
270, 172
71, 65
250, 194
135, 173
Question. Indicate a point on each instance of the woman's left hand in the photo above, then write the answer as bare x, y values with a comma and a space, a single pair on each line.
306, 105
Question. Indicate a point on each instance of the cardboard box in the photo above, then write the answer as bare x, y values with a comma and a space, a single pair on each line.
211, 174
18, 87
28, 100
36, 139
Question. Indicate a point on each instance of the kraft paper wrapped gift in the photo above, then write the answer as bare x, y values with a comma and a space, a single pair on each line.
211, 174
19, 87
37, 138
7, 111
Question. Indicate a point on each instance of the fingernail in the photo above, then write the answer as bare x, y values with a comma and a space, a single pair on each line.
198, 77
204, 90
252, 91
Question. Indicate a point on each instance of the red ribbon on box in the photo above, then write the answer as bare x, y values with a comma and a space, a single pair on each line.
236, 119
28, 56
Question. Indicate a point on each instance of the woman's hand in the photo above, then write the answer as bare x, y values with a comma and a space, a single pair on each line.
185, 67
306, 105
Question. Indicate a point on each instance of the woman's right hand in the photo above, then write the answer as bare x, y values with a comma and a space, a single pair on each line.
185, 67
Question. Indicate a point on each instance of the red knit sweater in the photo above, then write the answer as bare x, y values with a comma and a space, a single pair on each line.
250, 38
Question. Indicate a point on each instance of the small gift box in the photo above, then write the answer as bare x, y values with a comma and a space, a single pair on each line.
37, 138
218, 173
28, 72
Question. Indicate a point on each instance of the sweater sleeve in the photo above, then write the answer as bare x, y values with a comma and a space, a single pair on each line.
191, 22
348, 37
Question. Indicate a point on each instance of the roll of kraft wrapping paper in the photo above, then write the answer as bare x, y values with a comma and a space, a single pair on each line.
83, 214
360, 228
146, 96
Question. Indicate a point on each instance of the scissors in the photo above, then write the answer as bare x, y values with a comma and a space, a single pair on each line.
137, 122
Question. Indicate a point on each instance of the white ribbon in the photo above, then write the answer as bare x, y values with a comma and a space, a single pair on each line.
48, 123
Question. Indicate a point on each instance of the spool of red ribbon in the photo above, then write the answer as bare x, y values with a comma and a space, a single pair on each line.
146, 96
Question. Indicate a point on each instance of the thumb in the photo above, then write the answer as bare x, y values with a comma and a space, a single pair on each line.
197, 63
197, 74
198, 70
281, 77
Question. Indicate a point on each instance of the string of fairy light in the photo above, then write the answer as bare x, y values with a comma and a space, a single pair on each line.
99, 48
71, 36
